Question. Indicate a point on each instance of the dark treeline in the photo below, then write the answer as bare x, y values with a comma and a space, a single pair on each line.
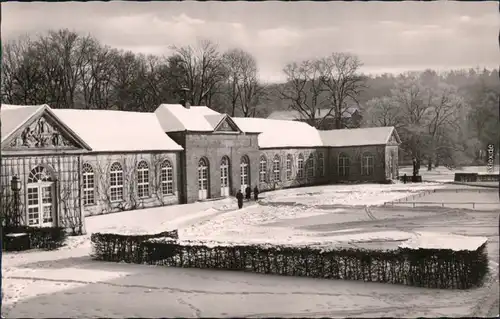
446, 117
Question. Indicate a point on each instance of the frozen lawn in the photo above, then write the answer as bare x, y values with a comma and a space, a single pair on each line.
442, 174
454, 196
67, 283
348, 195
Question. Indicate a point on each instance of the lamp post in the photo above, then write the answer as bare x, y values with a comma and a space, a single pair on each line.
15, 186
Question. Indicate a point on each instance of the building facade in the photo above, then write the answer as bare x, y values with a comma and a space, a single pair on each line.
179, 154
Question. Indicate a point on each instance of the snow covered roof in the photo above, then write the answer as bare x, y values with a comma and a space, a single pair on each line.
277, 133
14, 116
430, 240
292, 115
358, 136
175, 117
113, 131
214, 119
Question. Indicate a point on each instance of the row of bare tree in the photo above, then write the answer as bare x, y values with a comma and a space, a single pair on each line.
68, 70
436, 121
331, 83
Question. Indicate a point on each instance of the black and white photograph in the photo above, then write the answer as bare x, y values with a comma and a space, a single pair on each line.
228, 159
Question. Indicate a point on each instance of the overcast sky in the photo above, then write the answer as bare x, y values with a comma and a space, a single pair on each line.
388, 37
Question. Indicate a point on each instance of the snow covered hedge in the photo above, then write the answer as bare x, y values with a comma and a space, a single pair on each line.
432, 268
127, 248
24, 238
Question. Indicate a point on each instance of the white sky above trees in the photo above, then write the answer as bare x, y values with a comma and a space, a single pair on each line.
388, 37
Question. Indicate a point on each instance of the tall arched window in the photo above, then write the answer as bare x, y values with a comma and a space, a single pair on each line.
321, 164
367, 164
289, 160
40, 196
203, 178
224, 176
166, 178
143, 179
276, 168
244, 170
88, 181
343, 165
116, 182
263, 169
310, 166
300, 166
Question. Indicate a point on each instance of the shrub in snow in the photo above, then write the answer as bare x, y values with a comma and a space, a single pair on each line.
24, 237
127, 248
431, 268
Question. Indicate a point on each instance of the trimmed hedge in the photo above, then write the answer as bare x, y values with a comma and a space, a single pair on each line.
36, 237
431, 268
128, 248
476, 177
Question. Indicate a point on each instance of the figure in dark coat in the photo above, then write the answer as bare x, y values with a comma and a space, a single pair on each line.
255, 193
239, 197
248, 193
404, 178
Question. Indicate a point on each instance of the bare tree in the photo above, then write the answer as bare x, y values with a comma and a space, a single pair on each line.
103, 184
244, 90
23, 77
382, 112
69, 200
429, 118
341, 79
304, 89
156, 162
199, 69
130, 178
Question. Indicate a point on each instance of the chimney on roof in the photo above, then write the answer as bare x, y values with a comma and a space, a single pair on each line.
185, 101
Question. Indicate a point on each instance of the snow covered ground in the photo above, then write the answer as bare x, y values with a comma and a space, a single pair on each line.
67, 282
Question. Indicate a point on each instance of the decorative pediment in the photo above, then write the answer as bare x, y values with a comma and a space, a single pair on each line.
43, 133
393, 140
226, 125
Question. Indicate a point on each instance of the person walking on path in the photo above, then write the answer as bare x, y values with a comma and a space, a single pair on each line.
239, 197
255, 193
248, 193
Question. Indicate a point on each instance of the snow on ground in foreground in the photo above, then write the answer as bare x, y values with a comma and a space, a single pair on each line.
68, 282
364, 194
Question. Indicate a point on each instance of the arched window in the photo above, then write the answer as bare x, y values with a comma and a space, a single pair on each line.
224, 172
300, 166
276, 168
367, 164
344, 165
244, 169
310, 166
143, 179
88, 181
321, 164
40, 196
263, 169
203, 174
116, 182
289, 160
166, 178
39, 174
